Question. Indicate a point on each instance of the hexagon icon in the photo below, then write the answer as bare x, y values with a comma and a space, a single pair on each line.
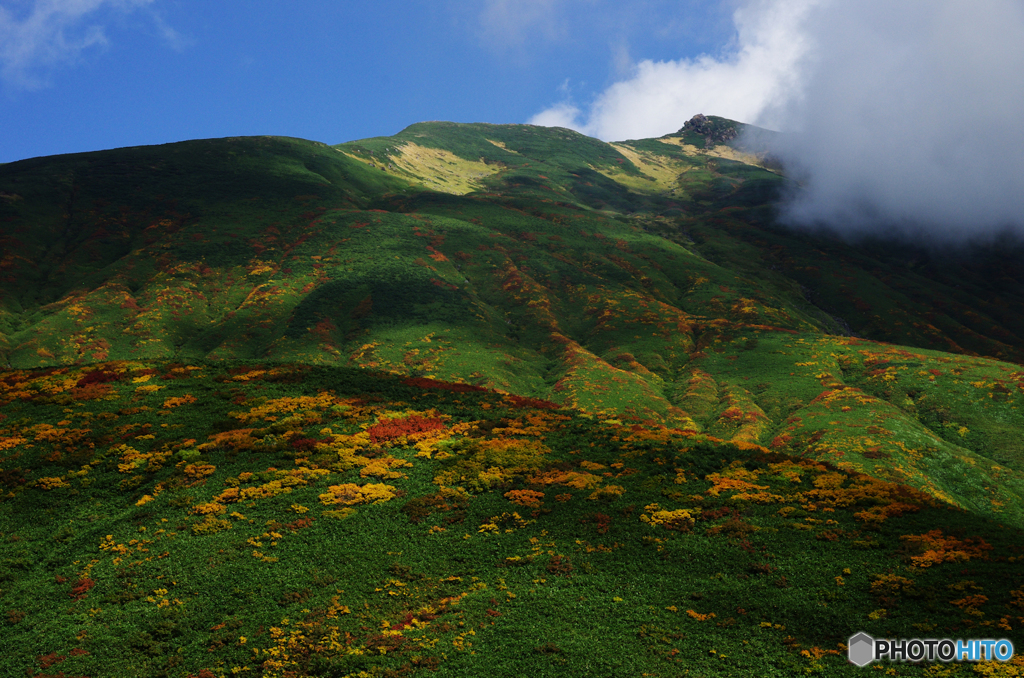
861, 649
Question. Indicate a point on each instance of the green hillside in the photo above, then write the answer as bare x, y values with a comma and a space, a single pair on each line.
643, 287
213, 519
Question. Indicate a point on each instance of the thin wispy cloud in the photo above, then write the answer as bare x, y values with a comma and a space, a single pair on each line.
39, 35
511, 23
171, 37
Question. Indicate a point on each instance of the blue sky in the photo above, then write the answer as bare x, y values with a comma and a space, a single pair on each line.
78, 75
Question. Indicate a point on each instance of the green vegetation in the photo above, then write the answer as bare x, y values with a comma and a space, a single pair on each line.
489, 399
170, 519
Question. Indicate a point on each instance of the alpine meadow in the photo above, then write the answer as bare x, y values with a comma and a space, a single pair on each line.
497, 400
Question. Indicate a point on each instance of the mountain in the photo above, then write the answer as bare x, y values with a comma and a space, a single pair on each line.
512, 314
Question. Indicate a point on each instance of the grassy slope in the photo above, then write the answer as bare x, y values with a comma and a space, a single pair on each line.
170, 519
564, 277
640, 281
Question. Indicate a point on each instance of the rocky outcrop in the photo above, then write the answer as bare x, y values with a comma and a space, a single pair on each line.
714, 130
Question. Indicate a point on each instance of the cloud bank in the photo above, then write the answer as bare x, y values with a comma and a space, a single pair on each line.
49, 33
905, 117
909, 118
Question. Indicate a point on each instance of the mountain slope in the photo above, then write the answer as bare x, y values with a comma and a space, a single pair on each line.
490, 399
213, 519
642, 279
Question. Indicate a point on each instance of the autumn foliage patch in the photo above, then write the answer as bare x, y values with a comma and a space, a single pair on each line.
391, 429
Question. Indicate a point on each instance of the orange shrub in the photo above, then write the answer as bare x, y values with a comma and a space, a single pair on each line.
943, 549
526, 498
183, 400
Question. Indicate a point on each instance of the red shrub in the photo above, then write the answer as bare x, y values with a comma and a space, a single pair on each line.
519, 402
81, 588
560, 566
307, 444
423, 382
391, 429
97, 377
48, 660
92, 391
299, 524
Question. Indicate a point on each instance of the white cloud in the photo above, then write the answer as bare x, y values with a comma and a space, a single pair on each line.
49, 33
560, 115
909, 118
757, 71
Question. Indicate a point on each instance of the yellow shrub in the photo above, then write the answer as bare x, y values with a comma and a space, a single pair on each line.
607, 493
680, 519
209, 508
351, 494
51, 483
199, 471
211, 525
